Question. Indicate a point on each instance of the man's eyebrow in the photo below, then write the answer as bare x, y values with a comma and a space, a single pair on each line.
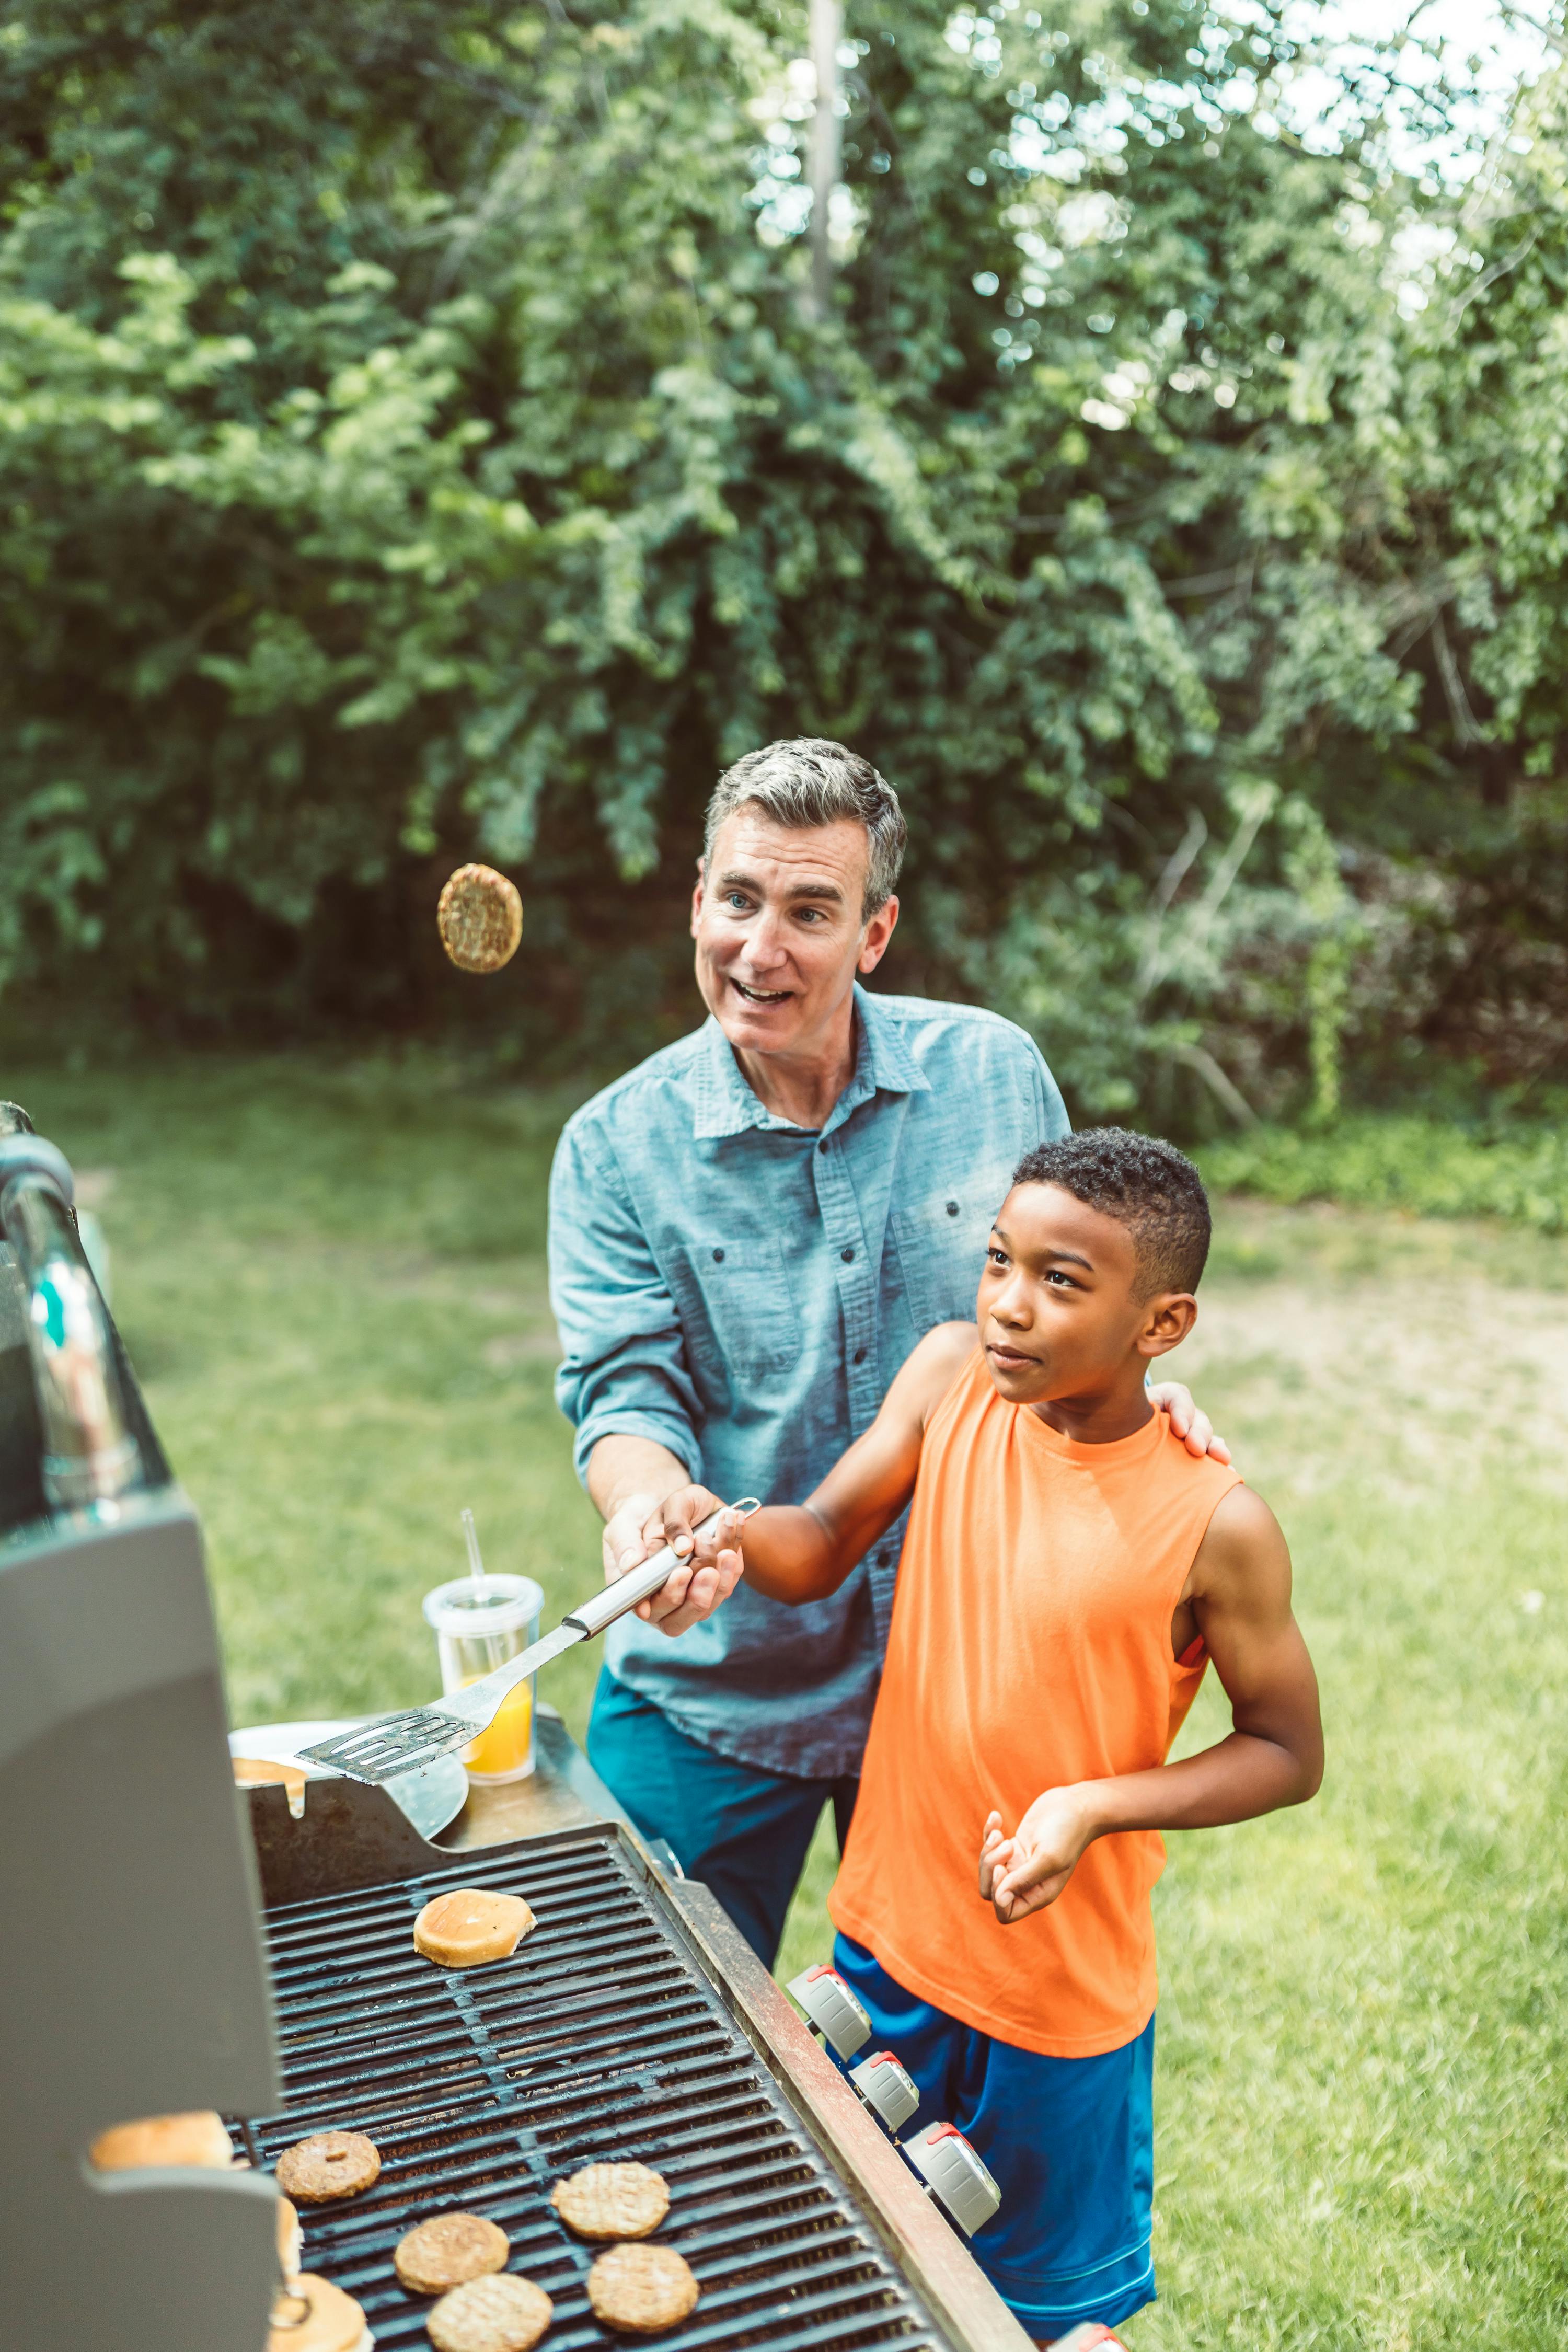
736, 880
1070, 1257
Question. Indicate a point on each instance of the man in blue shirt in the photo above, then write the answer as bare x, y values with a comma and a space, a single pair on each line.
748, 1234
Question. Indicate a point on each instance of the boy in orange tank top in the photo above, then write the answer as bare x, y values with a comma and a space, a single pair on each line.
1068, 1570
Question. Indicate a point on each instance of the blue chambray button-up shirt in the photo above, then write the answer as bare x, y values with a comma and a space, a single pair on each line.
743, 1291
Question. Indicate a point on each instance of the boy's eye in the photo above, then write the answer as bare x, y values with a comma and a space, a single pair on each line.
996, 1256
1063, 1281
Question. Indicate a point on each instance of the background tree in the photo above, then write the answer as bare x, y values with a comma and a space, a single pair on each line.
413, 440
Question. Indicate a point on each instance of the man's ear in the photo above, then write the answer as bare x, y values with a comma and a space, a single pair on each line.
878, 932
1167, 1319
697, 888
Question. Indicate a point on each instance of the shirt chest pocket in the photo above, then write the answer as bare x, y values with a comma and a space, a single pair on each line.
738, 1315
941, 1241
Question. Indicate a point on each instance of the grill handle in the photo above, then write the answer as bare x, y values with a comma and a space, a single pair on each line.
90, 1456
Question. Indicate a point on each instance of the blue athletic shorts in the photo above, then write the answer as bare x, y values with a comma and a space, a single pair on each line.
742, 1831
1071, 2142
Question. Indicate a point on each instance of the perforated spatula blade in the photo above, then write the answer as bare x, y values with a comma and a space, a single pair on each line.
409, 1741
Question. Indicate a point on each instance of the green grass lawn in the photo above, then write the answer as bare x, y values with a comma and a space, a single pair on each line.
330, 1281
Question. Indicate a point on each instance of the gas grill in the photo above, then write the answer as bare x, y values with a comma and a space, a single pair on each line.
632, 2023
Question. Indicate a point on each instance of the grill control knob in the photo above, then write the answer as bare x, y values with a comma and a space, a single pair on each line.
949, 2167
886, 2088
832, 2009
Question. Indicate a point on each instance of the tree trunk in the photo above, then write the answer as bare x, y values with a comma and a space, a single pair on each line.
826, 32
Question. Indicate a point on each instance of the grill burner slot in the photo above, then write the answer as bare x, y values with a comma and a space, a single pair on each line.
600, 2039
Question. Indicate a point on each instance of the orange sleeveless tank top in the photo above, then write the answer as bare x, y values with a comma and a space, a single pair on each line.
1030, 1647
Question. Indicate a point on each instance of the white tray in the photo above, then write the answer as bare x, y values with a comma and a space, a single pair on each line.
430, 1798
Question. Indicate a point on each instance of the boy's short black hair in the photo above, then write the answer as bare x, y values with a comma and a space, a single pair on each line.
1151, 1186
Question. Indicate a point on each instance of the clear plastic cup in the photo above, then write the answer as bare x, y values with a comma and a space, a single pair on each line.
478, 1627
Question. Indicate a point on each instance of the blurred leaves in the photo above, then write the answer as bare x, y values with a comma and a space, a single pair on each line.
1425, 1167
412, 442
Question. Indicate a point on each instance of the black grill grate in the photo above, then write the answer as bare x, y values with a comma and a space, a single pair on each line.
600, 2039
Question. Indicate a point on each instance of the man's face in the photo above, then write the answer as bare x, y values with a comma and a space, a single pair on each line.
780, 936
1059, 1307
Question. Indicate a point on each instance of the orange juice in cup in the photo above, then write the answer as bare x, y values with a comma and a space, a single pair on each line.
479, 1623
505, 1751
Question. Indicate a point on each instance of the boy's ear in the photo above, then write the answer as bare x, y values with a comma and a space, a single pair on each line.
1167, 1319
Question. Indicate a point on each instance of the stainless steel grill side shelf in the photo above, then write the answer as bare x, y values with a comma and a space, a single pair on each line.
626, 2026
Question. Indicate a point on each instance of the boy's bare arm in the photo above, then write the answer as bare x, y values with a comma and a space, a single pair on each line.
1239, 1594
803, 1551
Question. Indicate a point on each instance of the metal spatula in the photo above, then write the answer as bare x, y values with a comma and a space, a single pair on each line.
407, 1742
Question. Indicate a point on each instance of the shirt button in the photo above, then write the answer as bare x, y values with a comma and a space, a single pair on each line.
822, 1147
859, 1355
717, 1257
847, 1255
953, 1208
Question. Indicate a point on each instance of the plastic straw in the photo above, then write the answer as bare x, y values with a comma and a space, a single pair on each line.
475, 1565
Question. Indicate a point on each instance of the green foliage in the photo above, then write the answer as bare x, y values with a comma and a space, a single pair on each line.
1429, 1167
1312, 869
413, 442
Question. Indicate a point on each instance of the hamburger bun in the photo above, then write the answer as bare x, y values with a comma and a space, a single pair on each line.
470, 1926
290, 2240
263, 1772
259, 1772
480, 917
612, 2200
312, 2315
195, 2138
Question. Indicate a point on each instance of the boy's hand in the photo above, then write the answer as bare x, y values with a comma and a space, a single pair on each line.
1025, 1873
710, 1563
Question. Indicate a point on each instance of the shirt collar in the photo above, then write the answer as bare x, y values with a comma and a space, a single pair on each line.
894, 1070
883, 1065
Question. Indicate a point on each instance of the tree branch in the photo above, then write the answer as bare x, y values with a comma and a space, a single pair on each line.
1197, 1058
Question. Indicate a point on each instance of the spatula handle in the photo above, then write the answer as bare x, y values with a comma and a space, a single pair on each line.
612, 1601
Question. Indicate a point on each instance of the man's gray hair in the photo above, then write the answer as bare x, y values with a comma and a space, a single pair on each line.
813, 781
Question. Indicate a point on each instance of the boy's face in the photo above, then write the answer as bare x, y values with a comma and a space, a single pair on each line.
1059, 1307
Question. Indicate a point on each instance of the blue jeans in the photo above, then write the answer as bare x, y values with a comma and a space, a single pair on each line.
742, 1831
